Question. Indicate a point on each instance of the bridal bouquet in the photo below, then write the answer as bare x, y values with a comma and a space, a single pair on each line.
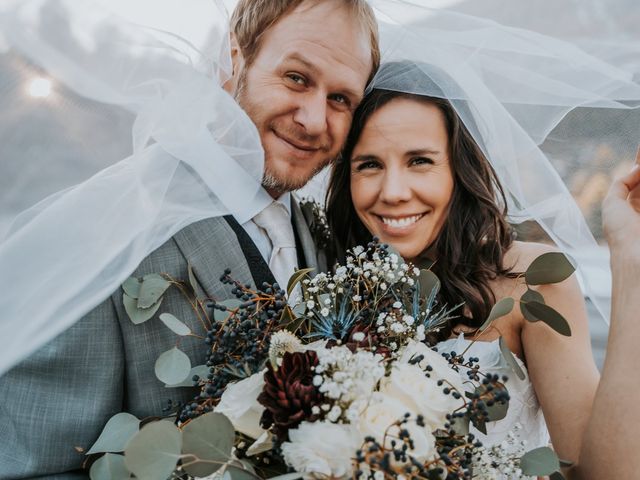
342, 385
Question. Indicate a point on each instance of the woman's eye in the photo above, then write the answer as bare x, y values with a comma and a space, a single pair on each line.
297, 79
421, 161
367, 165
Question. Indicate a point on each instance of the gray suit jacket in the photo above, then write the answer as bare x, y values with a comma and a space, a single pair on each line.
62, 396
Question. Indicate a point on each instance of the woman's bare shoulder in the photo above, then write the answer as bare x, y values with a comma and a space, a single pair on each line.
521, 254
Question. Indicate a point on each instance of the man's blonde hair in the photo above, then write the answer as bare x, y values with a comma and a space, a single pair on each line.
251, 18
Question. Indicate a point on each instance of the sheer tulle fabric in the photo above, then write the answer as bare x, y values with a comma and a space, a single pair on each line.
192, 154
153, 97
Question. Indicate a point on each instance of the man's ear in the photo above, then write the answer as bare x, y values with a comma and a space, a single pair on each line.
237, 63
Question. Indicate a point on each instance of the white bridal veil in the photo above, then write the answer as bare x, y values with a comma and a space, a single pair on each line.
82, 88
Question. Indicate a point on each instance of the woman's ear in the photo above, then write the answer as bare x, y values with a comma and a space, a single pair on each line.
237, 64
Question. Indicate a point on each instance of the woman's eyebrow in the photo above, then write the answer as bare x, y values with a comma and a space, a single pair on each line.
366, 157
423, 151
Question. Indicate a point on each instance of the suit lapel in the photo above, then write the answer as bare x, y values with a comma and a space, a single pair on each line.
210, 246
304, 235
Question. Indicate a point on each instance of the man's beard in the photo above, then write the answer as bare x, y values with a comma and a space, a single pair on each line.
271, 181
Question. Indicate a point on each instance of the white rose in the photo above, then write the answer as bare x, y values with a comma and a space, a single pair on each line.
239, 403
322, 448
410, 383
382, 412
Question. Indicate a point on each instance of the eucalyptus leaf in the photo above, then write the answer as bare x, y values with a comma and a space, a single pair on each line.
297, 278
209, 438
540, 461
532, 296
295, 325
116, 433
428, 282
201, 370
480, 424
109, 467
565, 463
500, 309
460, 425
153, 453
299, 309
287, 316
508, 356
321, 299
152, 288
173, 366
534, 311
497, 411
174, 324
552, 267
131, 287
231, 304
138, 315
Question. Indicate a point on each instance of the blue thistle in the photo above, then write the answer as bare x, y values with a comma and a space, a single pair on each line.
335, 326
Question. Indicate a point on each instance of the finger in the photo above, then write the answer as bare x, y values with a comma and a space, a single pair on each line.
621, 187
632, 179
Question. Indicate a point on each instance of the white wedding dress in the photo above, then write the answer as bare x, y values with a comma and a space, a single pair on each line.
524, 420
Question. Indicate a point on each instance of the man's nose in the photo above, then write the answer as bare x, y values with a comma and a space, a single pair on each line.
312, 114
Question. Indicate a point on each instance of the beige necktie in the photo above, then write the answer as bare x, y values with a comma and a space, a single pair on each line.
276, 222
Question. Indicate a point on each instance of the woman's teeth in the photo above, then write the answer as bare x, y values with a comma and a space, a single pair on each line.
401, 222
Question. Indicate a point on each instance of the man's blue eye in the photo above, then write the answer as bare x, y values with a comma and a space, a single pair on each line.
296, 78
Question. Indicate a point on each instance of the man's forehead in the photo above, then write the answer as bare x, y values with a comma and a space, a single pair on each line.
328, 21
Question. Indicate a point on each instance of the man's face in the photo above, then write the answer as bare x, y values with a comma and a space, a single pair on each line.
302, 88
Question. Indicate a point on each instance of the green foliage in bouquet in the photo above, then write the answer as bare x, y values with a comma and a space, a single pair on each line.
359, 324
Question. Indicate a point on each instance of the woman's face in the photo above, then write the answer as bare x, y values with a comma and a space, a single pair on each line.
401, 178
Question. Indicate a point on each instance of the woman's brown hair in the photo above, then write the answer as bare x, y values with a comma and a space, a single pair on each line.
469, 250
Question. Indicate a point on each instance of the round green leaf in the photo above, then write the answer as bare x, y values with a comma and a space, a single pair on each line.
201, 370
116, 433
428, 283
109, 467
209, 437
139, 315
539, 462
460, 425
153, 453
131, 287
173, 366
174, 324
152, 288
531, 296
500, 309
534, 311
552, 267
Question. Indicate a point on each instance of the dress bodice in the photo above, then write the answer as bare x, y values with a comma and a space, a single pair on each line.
524, 417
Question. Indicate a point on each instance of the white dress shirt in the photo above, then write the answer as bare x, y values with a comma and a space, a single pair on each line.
259, 235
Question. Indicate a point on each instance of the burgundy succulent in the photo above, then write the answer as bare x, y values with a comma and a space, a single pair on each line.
289, 394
